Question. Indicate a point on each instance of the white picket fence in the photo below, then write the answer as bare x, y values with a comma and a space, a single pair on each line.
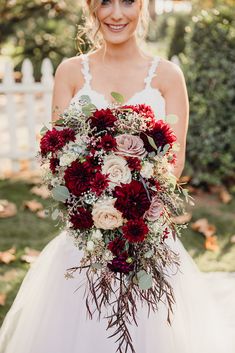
24, 107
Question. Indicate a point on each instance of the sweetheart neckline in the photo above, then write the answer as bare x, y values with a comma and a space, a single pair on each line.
125, 103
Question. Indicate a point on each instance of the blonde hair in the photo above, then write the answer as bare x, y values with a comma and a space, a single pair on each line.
91, 25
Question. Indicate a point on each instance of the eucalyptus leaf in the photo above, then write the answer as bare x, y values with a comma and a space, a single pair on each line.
118, 97
60, 193
87, 109
146, 281
166, 148
86, 98
96, 265
152, 142
141, 273
171, 119
148, 254
43, 130
55, 214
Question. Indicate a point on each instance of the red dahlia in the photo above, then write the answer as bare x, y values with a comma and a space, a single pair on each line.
134, 163
82, 219
99, 183
102, 119
119, 264
162, 135
54, 140
77, 178
135, 230
54, 162
132, 199
117, 246
107, 142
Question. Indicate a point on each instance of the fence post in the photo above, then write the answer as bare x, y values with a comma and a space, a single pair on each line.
47, 82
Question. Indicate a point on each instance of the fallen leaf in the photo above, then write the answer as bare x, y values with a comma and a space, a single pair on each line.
7, 209
182, 219
33, 205
30, 255
41, 191
8, 256
3, 297
225, 196
211, 243
42, 214
203, 226
232, 239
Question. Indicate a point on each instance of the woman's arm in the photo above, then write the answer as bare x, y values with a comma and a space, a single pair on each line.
176, 96
66, 80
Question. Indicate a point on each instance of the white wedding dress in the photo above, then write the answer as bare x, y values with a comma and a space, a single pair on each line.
49, 316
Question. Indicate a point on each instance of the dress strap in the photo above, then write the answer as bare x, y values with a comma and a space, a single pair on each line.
86, 70
152, 70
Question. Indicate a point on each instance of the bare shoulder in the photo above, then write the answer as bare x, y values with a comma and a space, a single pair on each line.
168, 74
69, 72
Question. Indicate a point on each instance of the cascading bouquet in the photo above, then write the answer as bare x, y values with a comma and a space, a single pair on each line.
111, 172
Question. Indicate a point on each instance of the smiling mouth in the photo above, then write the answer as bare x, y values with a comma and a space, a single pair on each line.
116, 28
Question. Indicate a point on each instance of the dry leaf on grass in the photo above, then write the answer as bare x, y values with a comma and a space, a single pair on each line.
8, 256
211, 243
41, 191
203, 226
182, 219
225, 196
7, 209
3, 298
32, 177
42, 214
33, 205
232, 239
30, 255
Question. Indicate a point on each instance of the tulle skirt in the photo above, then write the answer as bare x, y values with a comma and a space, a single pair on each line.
49, 315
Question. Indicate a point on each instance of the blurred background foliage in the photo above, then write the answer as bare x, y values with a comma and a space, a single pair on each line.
203, 40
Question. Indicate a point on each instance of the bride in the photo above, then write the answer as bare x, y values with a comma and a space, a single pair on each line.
48, 315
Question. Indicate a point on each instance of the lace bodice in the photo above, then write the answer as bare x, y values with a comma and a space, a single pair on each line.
148, 95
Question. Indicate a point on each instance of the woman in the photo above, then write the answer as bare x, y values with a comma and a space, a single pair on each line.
47, 315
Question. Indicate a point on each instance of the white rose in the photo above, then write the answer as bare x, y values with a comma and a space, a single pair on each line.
90, 245
118, 170
147, 170
105, 215
97, 235
67, 159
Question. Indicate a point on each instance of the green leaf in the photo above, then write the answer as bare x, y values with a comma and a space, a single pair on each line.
148, 254
60, 193
171, 119
55, 214
146, 281
152, 142
86, 98
43, 130
118, 97
88, 109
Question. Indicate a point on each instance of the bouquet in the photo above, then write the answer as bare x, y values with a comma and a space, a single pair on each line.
110, 170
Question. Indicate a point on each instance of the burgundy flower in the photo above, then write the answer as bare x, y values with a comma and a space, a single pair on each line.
135, 230
99, 183
134, 163
67, 135
117, 246
161, 133
77, 178
132, 199
54, 162
102, 119
51, 141
107, 142
119, 264
82, 219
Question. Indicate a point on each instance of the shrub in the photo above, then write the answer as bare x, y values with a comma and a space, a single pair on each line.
209, 68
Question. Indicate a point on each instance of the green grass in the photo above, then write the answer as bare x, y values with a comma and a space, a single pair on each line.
27, 230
